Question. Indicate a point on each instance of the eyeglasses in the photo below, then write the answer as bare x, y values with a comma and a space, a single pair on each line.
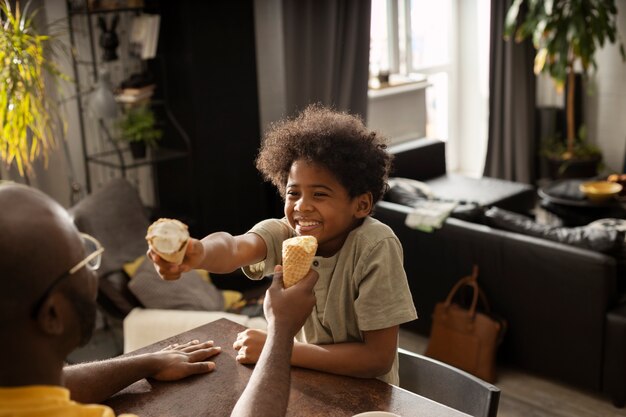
92, 260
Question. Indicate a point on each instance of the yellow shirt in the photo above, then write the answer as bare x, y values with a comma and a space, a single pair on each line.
49, 401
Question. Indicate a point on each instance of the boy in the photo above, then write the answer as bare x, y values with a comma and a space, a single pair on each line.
330, 170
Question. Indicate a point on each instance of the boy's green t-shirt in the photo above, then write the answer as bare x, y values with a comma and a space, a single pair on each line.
362, 287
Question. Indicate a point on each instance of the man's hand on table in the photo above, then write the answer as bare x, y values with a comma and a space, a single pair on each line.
180, 361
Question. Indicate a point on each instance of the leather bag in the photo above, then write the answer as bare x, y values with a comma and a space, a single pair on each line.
465, 338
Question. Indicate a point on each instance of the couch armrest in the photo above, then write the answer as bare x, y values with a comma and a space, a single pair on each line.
144, 326
420, 159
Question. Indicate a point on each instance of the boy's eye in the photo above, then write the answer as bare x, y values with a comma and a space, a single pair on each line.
292, 193
319, 194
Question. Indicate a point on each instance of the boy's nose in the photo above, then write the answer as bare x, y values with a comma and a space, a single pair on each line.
302, 205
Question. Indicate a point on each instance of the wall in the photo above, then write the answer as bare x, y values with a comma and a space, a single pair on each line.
605, 107
210, 54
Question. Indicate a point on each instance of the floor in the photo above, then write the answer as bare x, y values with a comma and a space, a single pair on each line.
525, 395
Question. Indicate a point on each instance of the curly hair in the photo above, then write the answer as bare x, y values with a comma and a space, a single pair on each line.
336, 140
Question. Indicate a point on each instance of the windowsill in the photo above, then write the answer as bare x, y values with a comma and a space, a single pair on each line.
399, 88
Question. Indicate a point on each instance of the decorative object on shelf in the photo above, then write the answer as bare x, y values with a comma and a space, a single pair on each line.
144, 35
137, 127
108, 38
30, 119
102, 100
564, 33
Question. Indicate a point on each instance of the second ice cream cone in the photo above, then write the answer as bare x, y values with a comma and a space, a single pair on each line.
169, 239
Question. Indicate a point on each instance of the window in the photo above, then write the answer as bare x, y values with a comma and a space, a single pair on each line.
412, 39
446, 42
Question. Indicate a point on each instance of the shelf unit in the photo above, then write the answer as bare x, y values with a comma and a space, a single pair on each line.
112, 154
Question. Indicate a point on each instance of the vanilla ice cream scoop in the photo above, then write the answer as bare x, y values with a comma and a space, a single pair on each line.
298, 253
169, 239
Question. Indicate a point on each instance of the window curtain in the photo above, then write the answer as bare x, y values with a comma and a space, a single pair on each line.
511, 148
327, 54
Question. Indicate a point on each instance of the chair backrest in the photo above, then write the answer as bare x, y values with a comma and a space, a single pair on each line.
447, 385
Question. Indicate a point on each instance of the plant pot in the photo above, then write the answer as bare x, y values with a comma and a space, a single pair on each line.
574, 168
138, 149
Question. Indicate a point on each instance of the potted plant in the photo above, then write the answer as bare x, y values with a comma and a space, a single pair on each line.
29, 117
137, 127
566, 34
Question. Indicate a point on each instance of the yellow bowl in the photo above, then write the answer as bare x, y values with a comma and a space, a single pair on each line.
600, 190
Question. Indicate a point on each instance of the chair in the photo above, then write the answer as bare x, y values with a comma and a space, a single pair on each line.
447, 385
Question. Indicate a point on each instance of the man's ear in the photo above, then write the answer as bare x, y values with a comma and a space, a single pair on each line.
50, 316
365, 203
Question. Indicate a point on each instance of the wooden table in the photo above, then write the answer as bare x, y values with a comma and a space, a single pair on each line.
215, 394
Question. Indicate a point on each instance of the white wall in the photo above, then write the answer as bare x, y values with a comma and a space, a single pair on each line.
605, 108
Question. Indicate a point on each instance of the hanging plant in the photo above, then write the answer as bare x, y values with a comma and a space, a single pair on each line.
29, 118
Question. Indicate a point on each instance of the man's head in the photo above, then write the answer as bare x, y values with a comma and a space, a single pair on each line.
340, 142
47, 294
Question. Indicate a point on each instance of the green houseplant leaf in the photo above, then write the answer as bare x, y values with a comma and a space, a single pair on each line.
565, 32
138, 125
29, 118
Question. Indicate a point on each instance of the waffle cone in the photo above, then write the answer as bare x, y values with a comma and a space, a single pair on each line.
298, 253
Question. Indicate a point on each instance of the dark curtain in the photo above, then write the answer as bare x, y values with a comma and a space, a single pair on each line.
511, 148
327, 53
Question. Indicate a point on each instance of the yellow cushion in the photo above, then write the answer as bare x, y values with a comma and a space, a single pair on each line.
231, 298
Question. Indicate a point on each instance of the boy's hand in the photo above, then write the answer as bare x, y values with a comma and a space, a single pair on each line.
180, 361
169, 271
249, 345
286, 310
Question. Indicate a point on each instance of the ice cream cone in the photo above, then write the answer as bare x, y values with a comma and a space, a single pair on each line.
298, 253
169, 239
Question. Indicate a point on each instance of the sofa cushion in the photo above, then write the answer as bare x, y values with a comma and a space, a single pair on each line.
189, 292
484, 191
606, 240
409, 192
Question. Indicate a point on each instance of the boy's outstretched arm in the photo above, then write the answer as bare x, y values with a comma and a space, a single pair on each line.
219, 252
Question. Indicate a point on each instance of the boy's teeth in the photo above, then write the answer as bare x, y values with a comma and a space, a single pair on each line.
307, 223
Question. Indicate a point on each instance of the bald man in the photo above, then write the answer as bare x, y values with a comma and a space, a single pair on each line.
47, 308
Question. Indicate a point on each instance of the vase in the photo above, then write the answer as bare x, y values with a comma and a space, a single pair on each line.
138, 149
574, 167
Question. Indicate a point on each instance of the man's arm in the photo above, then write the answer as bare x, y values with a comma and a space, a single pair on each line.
94, 382
286, 310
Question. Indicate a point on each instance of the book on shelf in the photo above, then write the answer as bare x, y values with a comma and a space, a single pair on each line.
135, 94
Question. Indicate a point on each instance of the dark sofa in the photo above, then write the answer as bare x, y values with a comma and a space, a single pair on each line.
566, 317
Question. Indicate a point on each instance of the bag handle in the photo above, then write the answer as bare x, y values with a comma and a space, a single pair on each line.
470, 281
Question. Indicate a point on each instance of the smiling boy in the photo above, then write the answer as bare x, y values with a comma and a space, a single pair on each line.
330, 171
